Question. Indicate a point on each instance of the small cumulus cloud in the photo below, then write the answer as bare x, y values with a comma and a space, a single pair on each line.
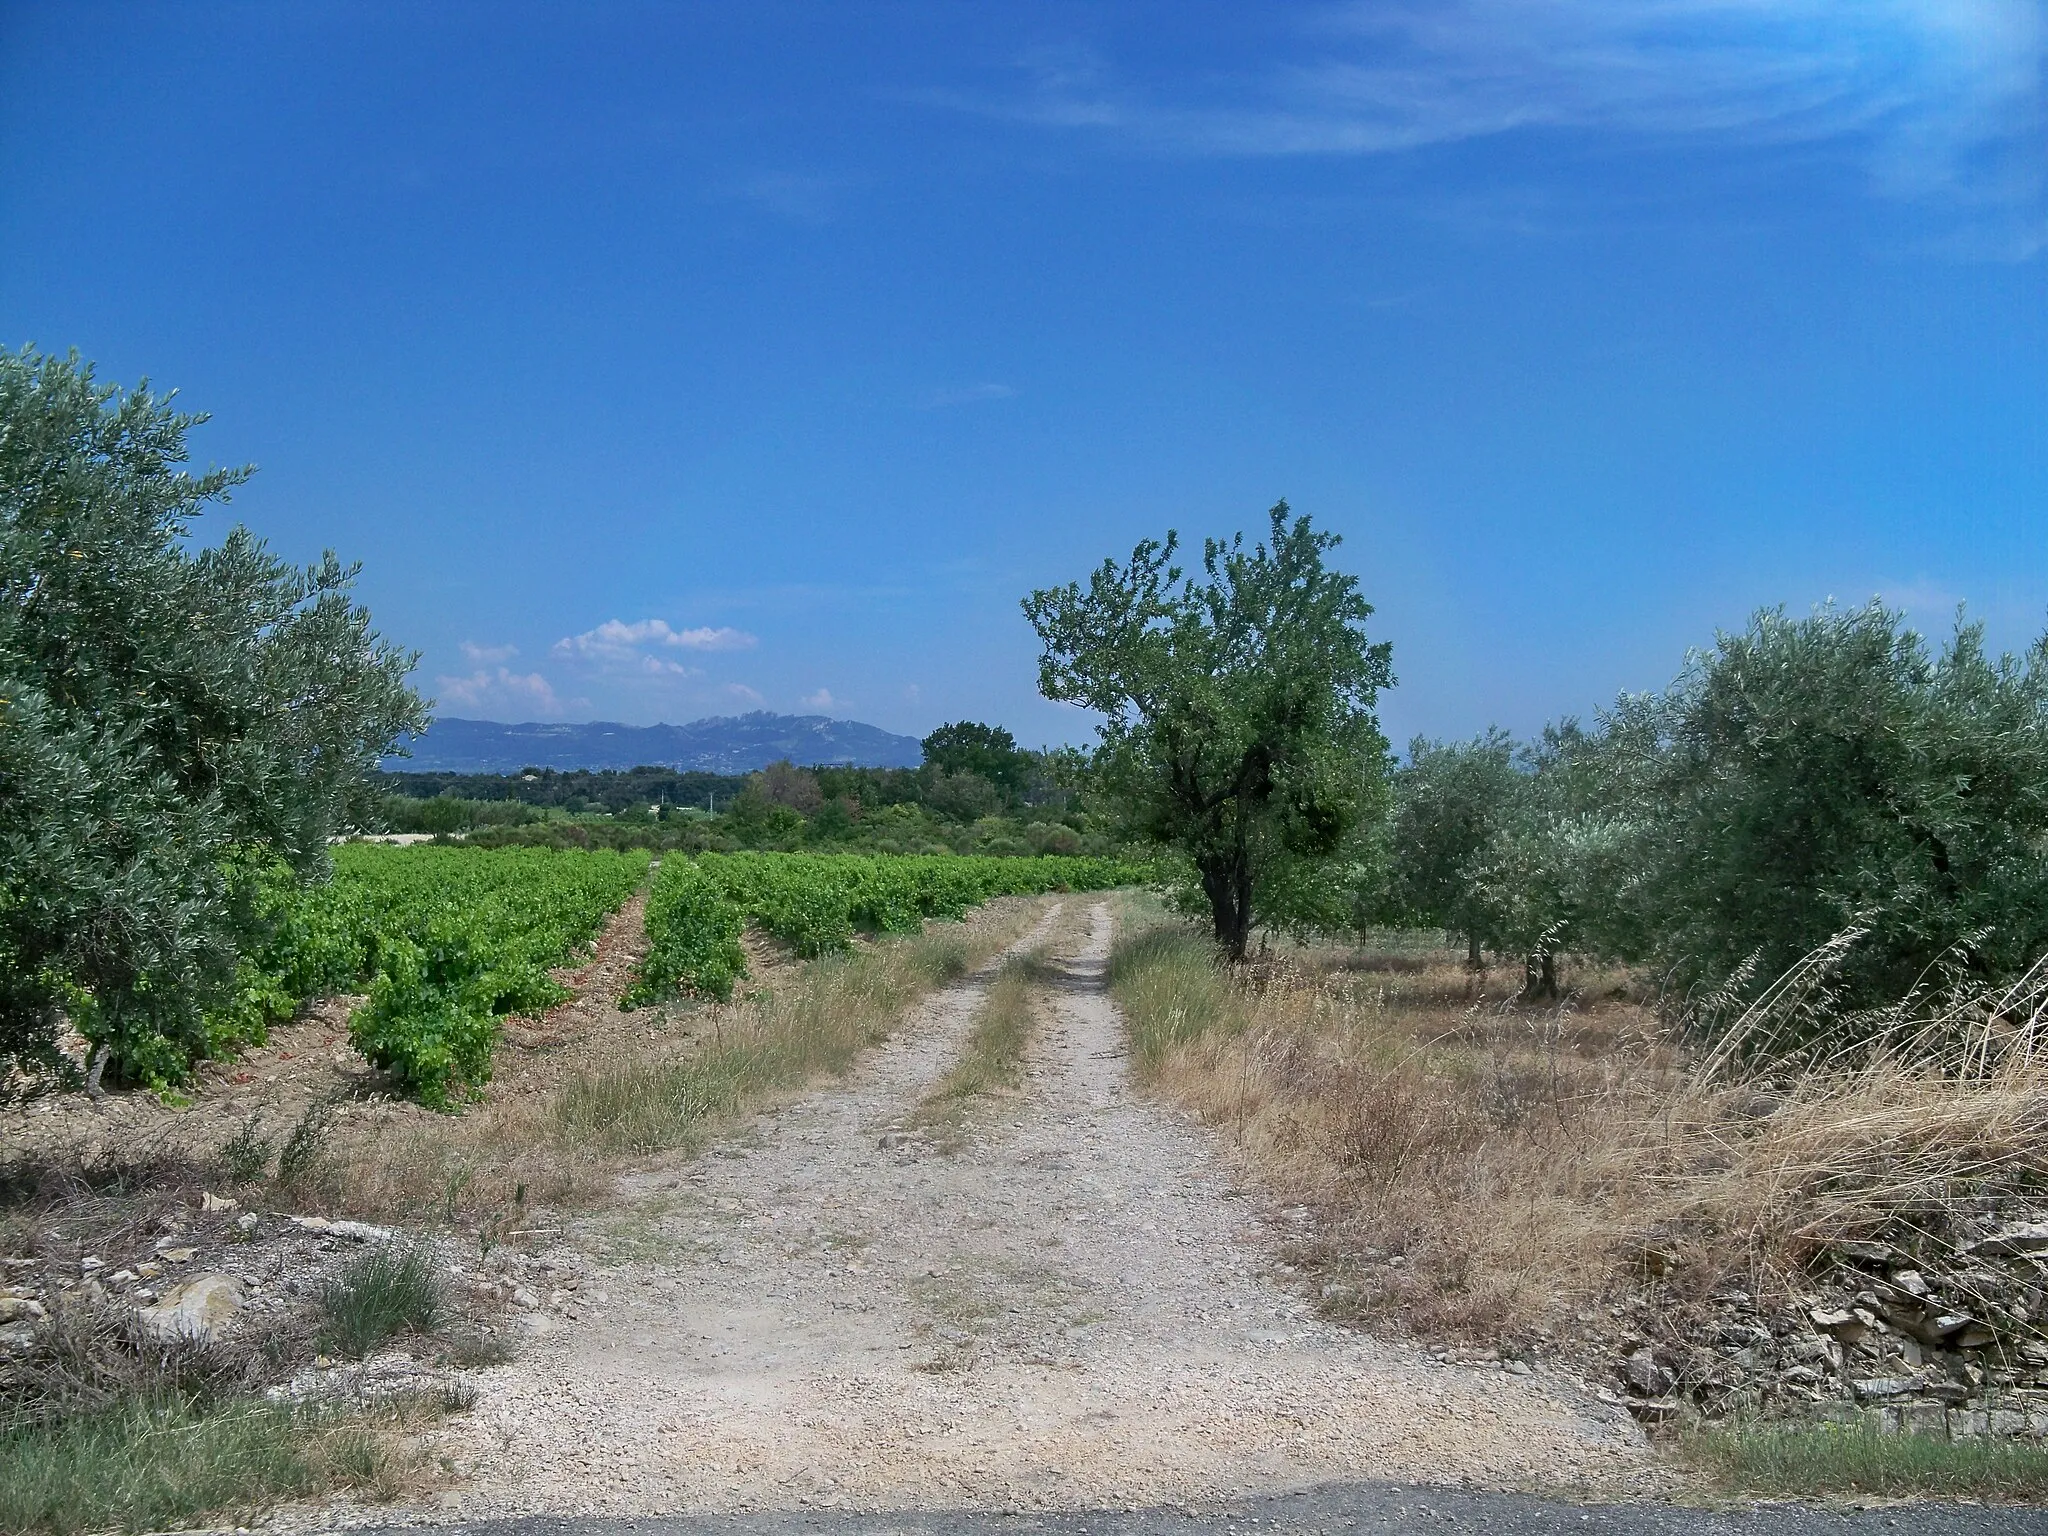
501, 688
615, 640
822, 699
973, 394
487, 655
744, 694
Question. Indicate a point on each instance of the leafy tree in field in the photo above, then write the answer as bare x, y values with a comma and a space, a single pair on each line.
987, 750
960, 796
783, 783
1806, 776
180, 729
1454, 802
1239, 725
1563, 868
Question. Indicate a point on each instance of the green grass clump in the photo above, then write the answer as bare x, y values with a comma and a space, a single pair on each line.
991, 1059
386, 1292
146, 1464
1857, 1458
1170, 985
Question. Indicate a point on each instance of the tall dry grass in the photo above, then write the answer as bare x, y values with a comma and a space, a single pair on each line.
813, 1027
1483, 1169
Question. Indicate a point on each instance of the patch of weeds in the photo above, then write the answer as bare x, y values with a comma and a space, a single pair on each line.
149, 1463
388, 1291
306, 1146
991, 1060
813, 1025
245, 1156
1804, 1459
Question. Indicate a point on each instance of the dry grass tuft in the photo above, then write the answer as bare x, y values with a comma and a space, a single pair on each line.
812, 1027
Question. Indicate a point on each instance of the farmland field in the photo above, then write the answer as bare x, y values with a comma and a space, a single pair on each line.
446, 941
816, 902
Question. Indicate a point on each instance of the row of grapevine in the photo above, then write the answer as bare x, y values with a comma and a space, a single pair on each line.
816, 902
445, 940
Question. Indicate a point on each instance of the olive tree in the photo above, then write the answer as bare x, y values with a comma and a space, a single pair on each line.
1454, 802
1238, 726
181, 728
1806, 777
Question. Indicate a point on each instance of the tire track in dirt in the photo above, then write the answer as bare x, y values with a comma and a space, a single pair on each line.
1072, 1312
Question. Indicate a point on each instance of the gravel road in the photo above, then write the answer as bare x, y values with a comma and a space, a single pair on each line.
1073, 1309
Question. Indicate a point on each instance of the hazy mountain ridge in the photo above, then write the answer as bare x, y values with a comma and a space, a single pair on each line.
719, 744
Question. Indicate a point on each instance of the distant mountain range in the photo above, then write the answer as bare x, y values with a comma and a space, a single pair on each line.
722, 744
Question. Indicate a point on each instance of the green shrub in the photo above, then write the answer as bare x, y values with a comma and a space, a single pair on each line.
817, 902
245, 1155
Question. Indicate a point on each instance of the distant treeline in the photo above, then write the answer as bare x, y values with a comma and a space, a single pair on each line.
577, 789
976, 792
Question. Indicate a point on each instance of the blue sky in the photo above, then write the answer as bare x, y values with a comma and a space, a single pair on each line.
668, 360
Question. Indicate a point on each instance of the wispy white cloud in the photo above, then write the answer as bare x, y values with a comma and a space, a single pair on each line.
487, 655
973, 394
802, 199
617, 641
1920, 597
745, 695
1940, 98
822, 699
500, 689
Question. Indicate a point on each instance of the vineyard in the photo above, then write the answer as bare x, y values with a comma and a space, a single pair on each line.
448, 941
815, 903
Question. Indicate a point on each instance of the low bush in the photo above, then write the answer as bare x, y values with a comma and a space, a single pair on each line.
816, 903
693, 937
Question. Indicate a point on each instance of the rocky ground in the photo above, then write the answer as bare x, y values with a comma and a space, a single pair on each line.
1934, 1332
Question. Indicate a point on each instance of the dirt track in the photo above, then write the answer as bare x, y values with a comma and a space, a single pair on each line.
1071, 1311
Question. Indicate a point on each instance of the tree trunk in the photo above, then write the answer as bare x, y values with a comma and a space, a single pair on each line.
1539, 978
1474, 961
1230, 907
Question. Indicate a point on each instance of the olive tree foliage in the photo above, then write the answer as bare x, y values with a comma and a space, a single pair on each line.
1562, 870
1238, 725
1820, 786
1453, 804
181, 729
1809, 778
